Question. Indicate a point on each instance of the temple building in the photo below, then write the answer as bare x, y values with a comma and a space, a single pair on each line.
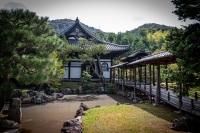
75, 67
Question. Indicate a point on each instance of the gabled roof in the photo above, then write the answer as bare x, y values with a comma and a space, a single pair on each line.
109, 46
136, 55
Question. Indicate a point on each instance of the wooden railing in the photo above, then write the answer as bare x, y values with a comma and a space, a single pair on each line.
184, 103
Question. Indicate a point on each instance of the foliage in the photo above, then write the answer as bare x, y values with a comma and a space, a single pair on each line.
184, 44
187, 9
85, 80
110, 87
91, 53
27, 42
126, 118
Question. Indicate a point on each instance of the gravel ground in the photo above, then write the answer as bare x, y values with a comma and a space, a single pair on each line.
49, 118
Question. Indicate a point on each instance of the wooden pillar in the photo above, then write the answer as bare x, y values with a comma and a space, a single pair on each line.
180, 96
123, 81
166, 80
150, 86
153, 75
134, 77
111, 70
158, 86
118, 74
145, 76
129, 73
126, 70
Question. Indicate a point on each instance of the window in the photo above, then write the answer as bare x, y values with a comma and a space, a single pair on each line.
104, 66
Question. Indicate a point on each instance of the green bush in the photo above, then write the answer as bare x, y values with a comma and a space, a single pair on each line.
86, 80
110, 87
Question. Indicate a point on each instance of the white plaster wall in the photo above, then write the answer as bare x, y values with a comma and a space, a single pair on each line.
106, 74
75, 72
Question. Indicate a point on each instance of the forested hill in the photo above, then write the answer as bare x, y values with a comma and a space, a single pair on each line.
61, 24
152, 26
150, 37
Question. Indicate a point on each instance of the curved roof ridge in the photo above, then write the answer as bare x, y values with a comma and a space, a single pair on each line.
91, 33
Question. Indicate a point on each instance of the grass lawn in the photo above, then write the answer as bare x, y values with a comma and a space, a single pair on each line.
137, 118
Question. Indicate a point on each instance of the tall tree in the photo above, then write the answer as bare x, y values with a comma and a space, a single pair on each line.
92, 53
27, 43
184, 43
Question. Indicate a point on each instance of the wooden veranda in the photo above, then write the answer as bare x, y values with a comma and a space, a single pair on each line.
144, 75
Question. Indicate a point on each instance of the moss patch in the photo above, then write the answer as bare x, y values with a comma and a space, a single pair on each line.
126, 119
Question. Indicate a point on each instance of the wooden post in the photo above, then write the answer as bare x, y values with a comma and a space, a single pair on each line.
123, 82
196, 96
180, 96
126, 74
166, 80
150, 87
158, 86
134, 77
192, 104
145, 76
168, 96
154, 75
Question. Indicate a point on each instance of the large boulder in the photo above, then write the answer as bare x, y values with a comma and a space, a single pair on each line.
186, 123
85, 107
14, 111
27, 100
9, 124
38, 100
17, 93
72, 126
79, 112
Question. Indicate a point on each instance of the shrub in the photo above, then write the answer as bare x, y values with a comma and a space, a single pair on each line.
110, 87
85, 80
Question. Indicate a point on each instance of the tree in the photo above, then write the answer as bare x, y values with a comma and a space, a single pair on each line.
92, 53
27, 43
184, 43
187, 9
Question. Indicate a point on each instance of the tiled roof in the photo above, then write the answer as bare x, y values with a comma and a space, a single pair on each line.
160, 58
118, 65
109, 46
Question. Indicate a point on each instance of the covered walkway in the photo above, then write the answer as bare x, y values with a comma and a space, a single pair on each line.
144, 75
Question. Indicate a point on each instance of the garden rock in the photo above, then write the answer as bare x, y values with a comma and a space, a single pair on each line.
14, 111
186, 123
5, 112
26, 100
85, 107
9, 124
72, 126
11, 131
79, 112
17, 93
38, 101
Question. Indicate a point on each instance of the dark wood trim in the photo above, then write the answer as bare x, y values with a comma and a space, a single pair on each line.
69, 67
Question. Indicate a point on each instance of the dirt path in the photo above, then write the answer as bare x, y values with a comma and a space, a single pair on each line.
48, 118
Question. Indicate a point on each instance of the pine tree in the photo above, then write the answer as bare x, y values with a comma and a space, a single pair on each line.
26, 42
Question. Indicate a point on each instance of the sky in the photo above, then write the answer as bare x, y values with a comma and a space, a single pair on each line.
106, 15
